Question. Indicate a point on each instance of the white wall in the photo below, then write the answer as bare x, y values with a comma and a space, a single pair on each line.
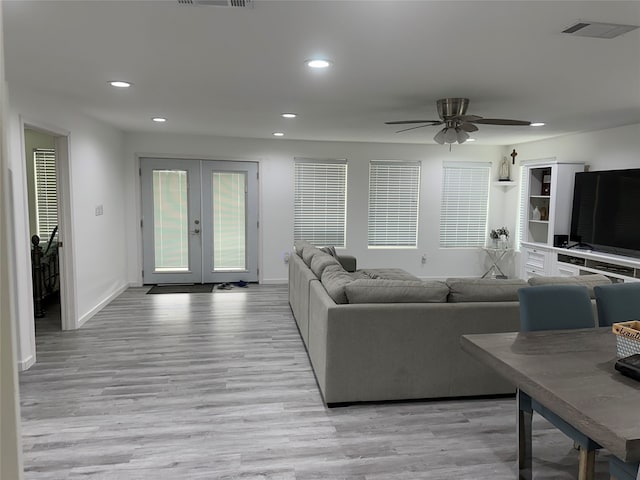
96, 167
614, 148
277, 182
10, 441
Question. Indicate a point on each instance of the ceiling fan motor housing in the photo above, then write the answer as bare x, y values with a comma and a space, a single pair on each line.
452, 107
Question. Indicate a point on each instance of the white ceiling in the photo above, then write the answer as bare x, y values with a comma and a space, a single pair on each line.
232, 71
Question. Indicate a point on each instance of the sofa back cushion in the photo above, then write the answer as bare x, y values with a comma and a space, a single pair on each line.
484, 289
308, 252
331, 250
396, 291
588, 281
320, 261
298, 246
334, 279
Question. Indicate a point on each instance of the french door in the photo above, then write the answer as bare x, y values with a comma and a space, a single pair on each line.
199, 221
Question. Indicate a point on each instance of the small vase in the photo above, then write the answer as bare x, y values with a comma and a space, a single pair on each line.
535, 214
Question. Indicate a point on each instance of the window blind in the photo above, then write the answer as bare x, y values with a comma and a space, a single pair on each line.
320, 202
465, 199
46, 194
171, 220
394, 192
229, 220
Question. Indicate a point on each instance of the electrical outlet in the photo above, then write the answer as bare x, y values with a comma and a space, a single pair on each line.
285, 257
99, 210
424, 259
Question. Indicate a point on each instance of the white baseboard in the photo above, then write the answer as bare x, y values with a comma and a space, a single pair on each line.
26, 364
112, 296
274, 281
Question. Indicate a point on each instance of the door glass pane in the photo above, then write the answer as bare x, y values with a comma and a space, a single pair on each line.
229, 221
170, 221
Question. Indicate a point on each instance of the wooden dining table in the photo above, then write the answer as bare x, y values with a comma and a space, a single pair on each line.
570, 372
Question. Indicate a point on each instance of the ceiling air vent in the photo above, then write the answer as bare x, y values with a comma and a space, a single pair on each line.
598, 30
218, 3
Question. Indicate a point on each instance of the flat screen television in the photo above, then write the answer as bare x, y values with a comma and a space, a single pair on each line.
606, 211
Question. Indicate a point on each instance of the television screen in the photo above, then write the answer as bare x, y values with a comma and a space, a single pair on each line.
606, 211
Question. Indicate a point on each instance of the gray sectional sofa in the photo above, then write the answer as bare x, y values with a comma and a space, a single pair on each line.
383, 334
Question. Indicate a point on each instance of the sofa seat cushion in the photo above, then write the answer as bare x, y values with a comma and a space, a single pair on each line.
388, 274
484, 289
320, 261
396, 291
334, 280
588, 281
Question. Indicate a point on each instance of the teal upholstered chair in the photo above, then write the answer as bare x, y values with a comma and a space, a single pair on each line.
617, 302
621, 470
554, 307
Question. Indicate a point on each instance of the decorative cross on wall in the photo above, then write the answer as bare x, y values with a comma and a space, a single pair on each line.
514, 154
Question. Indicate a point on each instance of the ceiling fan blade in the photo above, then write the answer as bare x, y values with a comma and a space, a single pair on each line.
468, 118
502, 121
468, 127
413, 128
403, 122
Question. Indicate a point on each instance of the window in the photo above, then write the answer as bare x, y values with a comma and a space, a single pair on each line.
465, 199
321, 202
44, 162
229, 220
394, 192
170, 220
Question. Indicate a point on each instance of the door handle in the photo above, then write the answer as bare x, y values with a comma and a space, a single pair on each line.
196, 231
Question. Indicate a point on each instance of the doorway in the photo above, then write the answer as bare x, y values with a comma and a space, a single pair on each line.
42, 192
199, 221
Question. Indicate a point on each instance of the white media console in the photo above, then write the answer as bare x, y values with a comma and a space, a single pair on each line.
544, 260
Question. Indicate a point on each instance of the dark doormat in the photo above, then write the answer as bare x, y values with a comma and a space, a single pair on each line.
196, 288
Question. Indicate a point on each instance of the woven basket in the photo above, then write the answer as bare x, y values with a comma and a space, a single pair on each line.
627, 338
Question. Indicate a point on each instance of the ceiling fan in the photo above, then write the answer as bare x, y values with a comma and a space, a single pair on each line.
457, 124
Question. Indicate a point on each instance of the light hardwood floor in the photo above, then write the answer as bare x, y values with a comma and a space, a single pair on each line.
219, 386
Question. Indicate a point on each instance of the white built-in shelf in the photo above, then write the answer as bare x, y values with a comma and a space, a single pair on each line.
538, 221
539, 196
505, 183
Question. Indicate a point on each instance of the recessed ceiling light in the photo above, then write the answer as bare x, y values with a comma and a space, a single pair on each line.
120, 84
278, 134
318, 63
289, 115
537, 124
470, 140
159, 119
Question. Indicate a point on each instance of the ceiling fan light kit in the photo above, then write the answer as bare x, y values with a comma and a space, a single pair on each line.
457, 124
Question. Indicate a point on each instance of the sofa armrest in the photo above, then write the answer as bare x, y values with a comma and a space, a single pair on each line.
348, 262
